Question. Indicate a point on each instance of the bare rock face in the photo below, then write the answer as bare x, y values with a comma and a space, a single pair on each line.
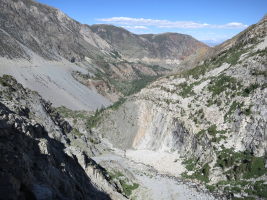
37, 160
35, 166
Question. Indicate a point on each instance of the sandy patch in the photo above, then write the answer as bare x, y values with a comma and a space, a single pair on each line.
163, 162
198, 88
217, 70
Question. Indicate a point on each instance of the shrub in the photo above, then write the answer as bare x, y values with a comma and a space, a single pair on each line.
5, 79
128, 88
190, 164
126, 187
117, 104
94, 119
73, 60
241, 164
249, 89
187, 90
235, 105
222, 83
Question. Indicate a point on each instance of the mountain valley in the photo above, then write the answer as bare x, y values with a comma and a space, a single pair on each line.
98, 112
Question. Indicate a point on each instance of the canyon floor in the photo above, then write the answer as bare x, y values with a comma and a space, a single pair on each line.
149, 170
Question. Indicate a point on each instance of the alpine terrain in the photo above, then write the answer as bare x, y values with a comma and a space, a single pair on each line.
98, 112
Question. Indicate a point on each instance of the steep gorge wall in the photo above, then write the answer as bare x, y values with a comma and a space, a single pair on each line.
142, 124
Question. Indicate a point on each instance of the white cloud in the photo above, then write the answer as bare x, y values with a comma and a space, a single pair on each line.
142, 22
136, 27
232, 25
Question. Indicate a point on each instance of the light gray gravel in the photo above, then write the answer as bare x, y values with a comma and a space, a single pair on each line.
156, 186
54, 82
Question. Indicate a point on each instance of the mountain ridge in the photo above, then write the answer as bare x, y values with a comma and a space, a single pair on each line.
34, 34
149, 46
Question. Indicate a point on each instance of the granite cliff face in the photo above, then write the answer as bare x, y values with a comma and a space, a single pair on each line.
213, 116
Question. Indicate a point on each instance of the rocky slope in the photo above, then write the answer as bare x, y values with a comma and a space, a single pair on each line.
213, 117
40, 43
46, 156
165, 49
51, 34
42, 156
36, 35
46, 31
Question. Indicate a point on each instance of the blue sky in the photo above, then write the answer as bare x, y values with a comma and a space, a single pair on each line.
203, 19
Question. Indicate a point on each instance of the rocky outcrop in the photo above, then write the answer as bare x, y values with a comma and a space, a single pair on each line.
38, 157
34, 166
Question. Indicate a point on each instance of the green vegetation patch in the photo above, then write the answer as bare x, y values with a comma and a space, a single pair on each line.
250, 89
190, 164
186, 90
124, 182
115, 54
240, 164
128, 188
234, 54
131, 87
259, 188
200, 171
241, 169
251, 188
93, 120
76, 132
126, 87
234, 106
5, 79
246, 110
117, 104
201, 174
256, 72
216, 135
158, 68
223, 83
68, 113
197, 71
